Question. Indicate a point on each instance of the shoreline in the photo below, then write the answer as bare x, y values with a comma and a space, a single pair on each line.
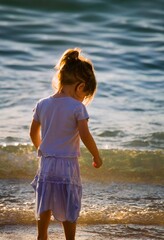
85, 232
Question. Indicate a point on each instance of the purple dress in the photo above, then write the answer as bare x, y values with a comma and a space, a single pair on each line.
57, 183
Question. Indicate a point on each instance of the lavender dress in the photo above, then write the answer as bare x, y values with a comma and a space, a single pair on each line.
57, 183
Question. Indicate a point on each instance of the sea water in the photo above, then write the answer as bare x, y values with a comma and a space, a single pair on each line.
124, 40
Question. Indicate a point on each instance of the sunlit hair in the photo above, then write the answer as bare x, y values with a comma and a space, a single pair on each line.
73, 68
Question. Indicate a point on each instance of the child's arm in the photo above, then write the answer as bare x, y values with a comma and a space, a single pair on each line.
89, 142
35, 133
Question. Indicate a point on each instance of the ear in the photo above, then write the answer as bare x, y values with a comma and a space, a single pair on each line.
81, 87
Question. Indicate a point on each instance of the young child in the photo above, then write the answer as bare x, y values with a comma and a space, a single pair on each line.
62, 120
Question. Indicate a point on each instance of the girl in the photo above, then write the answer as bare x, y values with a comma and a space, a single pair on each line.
63, 120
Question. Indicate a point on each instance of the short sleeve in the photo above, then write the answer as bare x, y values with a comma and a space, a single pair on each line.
36, 113
81, 113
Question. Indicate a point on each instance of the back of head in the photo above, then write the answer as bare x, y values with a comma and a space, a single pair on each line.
74, 68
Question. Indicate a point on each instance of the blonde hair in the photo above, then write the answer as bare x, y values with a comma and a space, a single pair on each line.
74, 68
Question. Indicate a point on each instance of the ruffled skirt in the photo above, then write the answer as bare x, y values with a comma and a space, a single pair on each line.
58, 188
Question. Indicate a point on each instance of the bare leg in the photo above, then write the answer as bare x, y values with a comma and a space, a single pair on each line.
70, 230
43, 224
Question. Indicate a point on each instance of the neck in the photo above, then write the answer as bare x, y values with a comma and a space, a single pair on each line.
67, 91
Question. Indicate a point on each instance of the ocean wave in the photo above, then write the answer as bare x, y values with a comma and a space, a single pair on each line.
119, 165
91, 4
100, 216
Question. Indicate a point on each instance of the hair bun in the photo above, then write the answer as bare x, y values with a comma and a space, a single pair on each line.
73, 55
69, 56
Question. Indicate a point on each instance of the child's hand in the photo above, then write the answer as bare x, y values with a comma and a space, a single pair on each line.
97, 162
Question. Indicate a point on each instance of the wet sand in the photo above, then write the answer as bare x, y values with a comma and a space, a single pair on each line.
28, 232
86, 232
